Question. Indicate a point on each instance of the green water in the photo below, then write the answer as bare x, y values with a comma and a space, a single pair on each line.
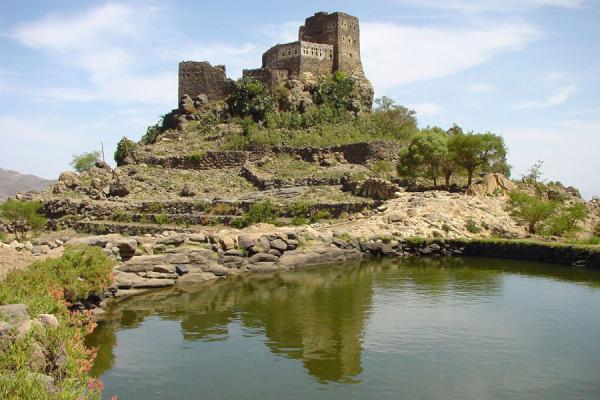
391, 329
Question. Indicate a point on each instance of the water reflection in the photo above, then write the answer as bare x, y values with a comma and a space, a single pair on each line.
315, 316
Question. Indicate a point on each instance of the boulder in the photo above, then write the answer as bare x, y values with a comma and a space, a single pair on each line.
121, 186
103, 165
175, 240
127, 247
278, 244
186, 105
263, 257
14, 313
48, 320
245, 241
69, 179
491, 184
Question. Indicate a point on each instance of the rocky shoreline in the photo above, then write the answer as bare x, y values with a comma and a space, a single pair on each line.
173, 258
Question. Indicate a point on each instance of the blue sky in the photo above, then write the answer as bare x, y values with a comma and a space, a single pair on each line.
73, 74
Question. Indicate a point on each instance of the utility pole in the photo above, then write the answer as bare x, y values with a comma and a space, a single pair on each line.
102, 145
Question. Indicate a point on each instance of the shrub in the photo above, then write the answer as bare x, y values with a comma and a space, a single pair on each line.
530, 209
566, 221
261, 211
23, 216
153, 132
250, 98
337, 91
383, 169
473, 227
48, 287
161, 219
224, 209
194, 158
299, 221
85, 161
321, 214
125, 148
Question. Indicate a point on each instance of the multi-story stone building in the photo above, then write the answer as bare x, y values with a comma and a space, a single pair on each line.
326, 43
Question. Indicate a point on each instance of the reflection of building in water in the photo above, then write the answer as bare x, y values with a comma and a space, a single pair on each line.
316, 316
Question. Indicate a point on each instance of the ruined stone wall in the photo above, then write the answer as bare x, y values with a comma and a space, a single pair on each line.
200, 77
270, 77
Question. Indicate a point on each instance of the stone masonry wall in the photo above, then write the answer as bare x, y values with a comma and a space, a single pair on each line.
197, 78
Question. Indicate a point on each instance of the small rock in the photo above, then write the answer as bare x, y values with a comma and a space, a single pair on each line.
263, 257
234, 253
14, 313
279, 244
181, 270
245, 242
275, 252
175, 240
48, 320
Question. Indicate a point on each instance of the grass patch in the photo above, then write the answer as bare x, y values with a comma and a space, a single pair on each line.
49, 287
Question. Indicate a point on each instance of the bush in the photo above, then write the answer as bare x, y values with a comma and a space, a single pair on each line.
48, 287
472, 227
85, 161
383, 169
530, 209
259, 212
194, 158
250, 98
299, 221
566, 221
336, 91
321, 214
125, 148
23, 216
161, 219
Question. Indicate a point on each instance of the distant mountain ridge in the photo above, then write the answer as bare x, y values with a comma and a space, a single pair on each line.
12, 182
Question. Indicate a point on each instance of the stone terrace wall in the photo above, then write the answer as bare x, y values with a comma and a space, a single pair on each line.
210, 160
355, 153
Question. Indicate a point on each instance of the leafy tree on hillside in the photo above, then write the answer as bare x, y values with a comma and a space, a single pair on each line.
250, 98
337, 91
472, 151
387, 117
124, 148
426, 155
23, 216
85, 161
530, 209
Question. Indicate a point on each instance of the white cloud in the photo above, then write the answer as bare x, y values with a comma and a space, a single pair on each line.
426, 109
558, 98
493, 6
282, 33
395, 54
481, 88
109, 44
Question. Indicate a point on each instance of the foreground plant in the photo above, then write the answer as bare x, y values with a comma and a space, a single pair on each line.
53, 362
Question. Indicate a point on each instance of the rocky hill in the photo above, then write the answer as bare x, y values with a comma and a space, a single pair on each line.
12, 182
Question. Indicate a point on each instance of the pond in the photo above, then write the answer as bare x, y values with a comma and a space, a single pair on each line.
437, 328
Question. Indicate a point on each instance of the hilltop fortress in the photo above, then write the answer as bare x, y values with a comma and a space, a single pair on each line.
326, 43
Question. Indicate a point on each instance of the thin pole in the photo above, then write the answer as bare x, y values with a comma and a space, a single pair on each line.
102, 145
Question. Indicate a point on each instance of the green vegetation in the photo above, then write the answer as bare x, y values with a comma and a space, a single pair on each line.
337, 91
426, 155
49, 287
433, 153
261, 211
530, 209
250, 98
565, 222
473, 227
124, 148
85, 161
161, 219
473, 151
195, 157
23, 216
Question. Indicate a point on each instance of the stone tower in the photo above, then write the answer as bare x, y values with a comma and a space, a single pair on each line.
340, 30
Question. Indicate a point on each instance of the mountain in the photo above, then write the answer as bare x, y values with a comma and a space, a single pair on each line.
12, 182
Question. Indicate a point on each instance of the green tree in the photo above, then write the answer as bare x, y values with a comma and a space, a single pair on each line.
85, 161
389, 118
23, 216
471, 151
566, 221
337, 91
250, 98
530, 209
426, 155
125, 147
